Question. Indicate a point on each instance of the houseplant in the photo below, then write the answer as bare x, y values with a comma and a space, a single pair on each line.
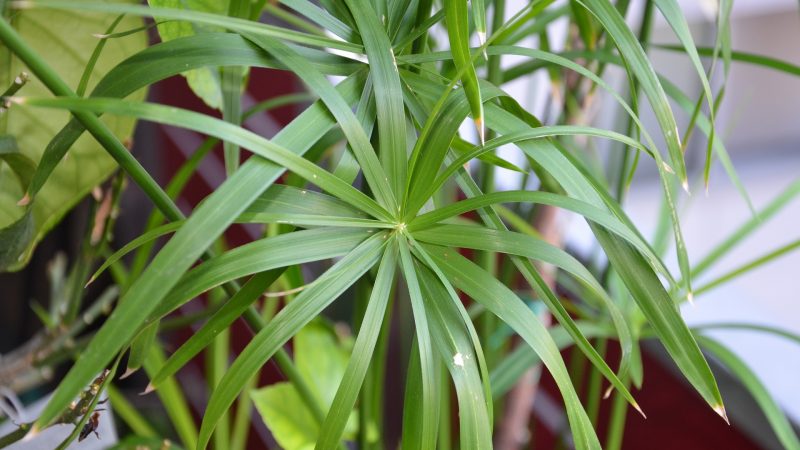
390, 209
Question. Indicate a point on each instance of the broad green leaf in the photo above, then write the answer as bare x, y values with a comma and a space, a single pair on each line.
361, 356
22, 166
283, 411
775, 416
502, 302
205, 82
321, 360
288, 322
197, 17
88, 165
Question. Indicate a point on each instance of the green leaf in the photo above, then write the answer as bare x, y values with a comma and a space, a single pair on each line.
140, 348
457, 19
746, 229
662, 314
232, 309
455, 347
767, 62
265, 254
204, 82
341, 110
429, 420
360, 358
588, 211
88, 165
639, 65
206, 224
502, 302
388, 94
775, 416
173, 400
197, 17
288, 322
321, 360
480, 238
22, 166
505, 375
202, 123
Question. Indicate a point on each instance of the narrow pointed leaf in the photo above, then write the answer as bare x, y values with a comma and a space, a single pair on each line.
502, 302
283, 326
360, 358
232, 309
388, 94
457, 19
769, 406
429, 417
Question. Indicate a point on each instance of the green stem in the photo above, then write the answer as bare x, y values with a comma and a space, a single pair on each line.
616, 428
593, 394
15, 435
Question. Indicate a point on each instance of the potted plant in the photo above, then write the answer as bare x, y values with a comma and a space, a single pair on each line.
378, 178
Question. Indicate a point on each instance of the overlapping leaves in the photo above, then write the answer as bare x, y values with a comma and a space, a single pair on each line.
381, 227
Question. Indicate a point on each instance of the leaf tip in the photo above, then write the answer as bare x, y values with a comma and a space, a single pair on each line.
482, 42
690, 297
128, 372
608, 392
481, 129
638, 409
25, 200
685, 186
150, 388
720, 410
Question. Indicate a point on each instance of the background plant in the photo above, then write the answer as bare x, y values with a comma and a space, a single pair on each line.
390, 209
